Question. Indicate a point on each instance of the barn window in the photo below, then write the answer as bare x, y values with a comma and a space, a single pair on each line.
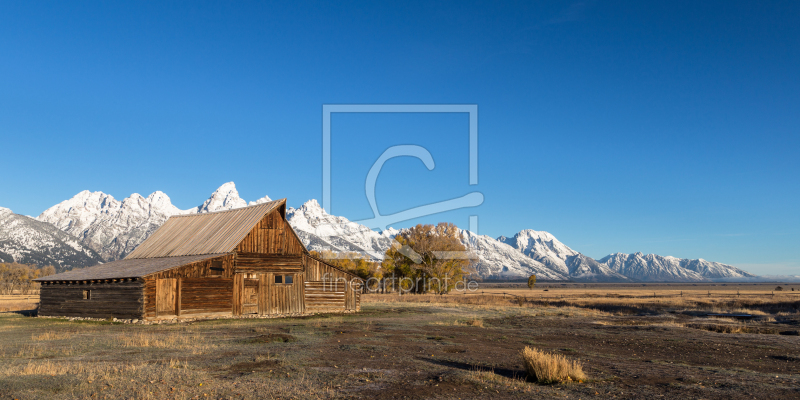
216, 269
288, 279
278, 278
87, 294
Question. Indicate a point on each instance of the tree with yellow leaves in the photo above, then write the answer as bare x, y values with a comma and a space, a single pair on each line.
428, 258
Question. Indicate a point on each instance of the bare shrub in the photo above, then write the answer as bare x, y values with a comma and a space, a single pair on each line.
475, 322
551, 368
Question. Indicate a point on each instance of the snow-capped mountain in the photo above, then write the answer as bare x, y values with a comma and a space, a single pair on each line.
28, 241
499, 260
226, 197
546, 249
652, 267
587, 269
542, 247
114, 228
714, 270
110, 227
321, 231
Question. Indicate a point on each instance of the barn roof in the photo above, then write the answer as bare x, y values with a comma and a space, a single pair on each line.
127, 268
208, 233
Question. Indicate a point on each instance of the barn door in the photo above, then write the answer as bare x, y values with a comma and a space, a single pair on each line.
250, 297
166, 296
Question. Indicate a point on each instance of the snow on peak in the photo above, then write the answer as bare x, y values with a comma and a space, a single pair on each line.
262, 200
322, 231
498, 259
159, 197
226, 197
114, 228
543, 247
653, 267
28, 241
110, 227
390, 232
313, 205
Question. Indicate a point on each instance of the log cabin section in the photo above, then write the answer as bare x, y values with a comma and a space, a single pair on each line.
246, 261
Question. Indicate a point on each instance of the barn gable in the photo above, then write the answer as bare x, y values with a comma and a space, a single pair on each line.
208, 233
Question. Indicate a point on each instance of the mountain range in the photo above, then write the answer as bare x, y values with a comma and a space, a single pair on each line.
28, 241
94, 227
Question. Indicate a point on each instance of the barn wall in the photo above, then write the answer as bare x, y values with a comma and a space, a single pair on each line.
272, 235
218, 272
329, 289
284, 298
316, 270
202, 269
255, 262
124, 300
325, 297
273, 298
202, 295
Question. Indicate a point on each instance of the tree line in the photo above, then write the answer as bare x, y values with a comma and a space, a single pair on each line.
18, 278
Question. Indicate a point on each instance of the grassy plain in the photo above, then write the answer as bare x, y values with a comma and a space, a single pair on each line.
454, 346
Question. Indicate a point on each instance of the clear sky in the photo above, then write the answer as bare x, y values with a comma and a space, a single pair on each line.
669, 128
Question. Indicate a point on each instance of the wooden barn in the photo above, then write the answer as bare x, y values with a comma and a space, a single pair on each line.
237, 262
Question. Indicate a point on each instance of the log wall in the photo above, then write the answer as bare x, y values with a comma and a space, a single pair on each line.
256, 262
220, 267
218, 270
316, 270
324, 297
329, 289
115, 299
201, 295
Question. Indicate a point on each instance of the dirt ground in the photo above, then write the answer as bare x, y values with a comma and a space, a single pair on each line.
409, 350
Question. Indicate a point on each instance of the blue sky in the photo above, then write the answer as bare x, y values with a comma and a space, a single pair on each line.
666, 128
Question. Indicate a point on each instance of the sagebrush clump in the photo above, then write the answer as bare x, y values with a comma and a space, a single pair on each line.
551, 368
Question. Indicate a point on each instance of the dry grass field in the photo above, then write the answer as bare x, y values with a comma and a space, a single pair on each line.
453, 346
557, 290
18, 303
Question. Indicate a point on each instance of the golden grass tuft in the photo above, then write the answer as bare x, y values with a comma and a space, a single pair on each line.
164, 340
51, 335
551, 368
